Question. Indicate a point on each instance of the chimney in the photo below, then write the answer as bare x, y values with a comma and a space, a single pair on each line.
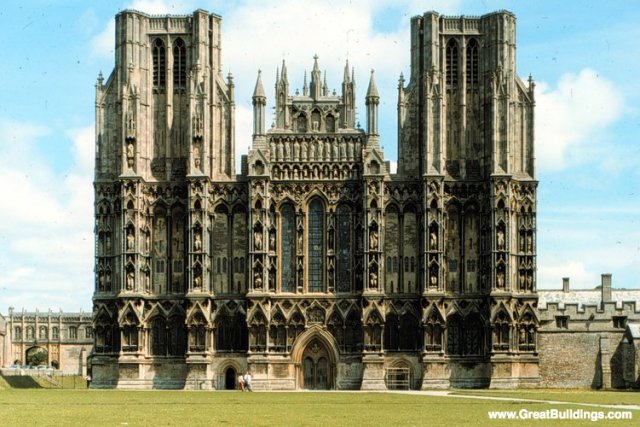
565, 284
606, 287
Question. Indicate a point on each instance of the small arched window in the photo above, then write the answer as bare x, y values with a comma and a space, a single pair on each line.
179, 64
452, 63
159, 64
472, 63
55, 333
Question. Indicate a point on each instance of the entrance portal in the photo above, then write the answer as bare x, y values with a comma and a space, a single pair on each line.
230, 379
317, 371
37, 356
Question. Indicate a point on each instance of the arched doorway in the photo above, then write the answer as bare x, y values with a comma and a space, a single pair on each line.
37, 356
317, 370
230, 379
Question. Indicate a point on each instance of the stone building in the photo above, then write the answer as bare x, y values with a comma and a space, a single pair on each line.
4, 356
590, 338
315, 267
60, 340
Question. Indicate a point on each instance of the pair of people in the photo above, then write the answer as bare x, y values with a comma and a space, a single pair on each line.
244, 381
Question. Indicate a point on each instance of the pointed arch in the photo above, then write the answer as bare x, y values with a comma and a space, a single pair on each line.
158, 53
316, 245
179, 64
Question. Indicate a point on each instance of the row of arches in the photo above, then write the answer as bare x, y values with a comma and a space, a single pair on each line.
159, 59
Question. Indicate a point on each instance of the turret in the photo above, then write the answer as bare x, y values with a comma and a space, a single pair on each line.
316, 84
259, 103
372, 101
282, 95
348, 99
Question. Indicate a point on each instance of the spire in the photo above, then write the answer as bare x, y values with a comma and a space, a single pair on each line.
277, 76
345, 79
316, 84
325, 89
284, 72
372, 91
305, 88
258, 92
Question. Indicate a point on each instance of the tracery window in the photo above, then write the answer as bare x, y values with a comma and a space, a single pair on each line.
73, 333
316, 246
344, 249
179, 64
129, 338
17, 333
88, 332
287, 227
55, 333
472, 63
452, 63
159, 64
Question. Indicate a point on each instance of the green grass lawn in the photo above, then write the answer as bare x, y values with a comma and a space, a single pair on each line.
42, 407
629, 397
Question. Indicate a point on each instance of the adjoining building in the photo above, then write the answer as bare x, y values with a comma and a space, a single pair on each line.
56, 340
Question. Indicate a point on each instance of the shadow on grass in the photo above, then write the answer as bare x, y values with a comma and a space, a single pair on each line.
16, 381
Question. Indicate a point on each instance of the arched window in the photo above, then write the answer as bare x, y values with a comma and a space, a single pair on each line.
158, 337
42, 333
179, 64
452, 63
287, 229
73, 333
55, 333
17, 333
472, 63
316, 246
159, 64
344, 249
29, 333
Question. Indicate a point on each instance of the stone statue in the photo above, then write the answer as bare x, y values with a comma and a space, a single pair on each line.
529, 243
373, 280
272, 241
304, 148
257, 240
197, 242
130, 154
373, 240
130, 280
500, 240
257, 280
197, 282
434, 280
433, 241
500, 279
130, 240
280, 154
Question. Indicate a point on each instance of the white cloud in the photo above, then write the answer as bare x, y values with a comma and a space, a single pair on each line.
102, 44
550, 274
46, 219
572, 116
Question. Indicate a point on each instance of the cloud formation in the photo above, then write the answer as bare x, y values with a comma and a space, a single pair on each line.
572, 116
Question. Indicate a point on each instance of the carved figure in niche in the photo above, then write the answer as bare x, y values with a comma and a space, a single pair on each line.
522, 239
287, 150
257, 240
434, 280
130, 154
145, 278
320, 149
257, 280
312, 151
196, 155
108, 285
272, 149
529, 243
197, 242
272, 241
343, 150
373, 240
304, 148
130, 280
433, 241
327, 150
500, 279
373, 280
101, 280
296, 150
160, 236
335, 155
130, 240
300, 241
280, 155
108, 243
522, 279
500, 240
147, 242
529, 281
350, 149
197, 282
330, 240
272, 280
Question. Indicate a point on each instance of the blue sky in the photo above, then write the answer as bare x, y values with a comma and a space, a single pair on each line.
583, 55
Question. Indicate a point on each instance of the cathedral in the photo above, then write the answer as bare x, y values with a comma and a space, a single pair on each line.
315, 267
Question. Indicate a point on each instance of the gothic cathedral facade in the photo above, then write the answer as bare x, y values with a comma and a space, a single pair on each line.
315, 267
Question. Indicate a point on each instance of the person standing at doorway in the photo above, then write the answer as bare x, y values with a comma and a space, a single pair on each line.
247, 381
241, 382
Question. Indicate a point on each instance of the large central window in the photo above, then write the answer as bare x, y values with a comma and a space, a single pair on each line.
288, 226
316, 246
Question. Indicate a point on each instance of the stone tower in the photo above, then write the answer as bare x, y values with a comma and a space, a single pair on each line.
465, 129
315, 267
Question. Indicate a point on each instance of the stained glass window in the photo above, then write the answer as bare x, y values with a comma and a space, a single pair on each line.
316, 245
288, 227
344, 249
